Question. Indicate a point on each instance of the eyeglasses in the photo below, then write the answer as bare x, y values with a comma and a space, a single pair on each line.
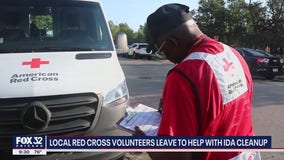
160, 48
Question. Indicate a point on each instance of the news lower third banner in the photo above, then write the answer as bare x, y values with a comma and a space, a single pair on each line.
40, 145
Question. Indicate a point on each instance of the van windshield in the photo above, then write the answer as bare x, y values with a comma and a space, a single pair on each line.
41, 26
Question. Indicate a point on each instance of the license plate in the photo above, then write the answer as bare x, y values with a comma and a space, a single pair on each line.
275, 70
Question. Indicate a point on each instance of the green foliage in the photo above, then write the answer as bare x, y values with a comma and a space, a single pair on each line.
114, 29
140, 34
132, 36
275, 22
212, 18
43, 21
243, 24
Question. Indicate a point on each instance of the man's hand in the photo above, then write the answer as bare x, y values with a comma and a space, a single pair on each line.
138, 132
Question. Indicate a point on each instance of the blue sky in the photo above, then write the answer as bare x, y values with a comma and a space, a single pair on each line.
135, 12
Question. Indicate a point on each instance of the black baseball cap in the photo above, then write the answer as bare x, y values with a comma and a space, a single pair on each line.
165, 19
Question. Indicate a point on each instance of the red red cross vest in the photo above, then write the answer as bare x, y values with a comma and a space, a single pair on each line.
208, 94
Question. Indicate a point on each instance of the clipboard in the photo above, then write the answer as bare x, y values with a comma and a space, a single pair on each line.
147, 118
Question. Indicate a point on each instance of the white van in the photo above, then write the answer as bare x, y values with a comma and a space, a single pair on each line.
60, 74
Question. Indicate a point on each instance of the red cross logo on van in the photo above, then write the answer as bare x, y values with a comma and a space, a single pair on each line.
35, 63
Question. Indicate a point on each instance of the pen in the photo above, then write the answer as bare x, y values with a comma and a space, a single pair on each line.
130, 116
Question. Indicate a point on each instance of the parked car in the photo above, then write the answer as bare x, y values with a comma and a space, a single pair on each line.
262, 63
138, 50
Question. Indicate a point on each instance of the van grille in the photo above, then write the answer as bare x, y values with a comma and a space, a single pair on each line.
69, 113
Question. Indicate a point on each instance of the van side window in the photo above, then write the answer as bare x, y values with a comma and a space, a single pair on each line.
12, 30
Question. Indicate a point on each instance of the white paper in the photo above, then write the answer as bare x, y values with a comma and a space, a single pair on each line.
147, 118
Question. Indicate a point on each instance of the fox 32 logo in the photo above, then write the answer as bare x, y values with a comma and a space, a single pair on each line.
29, 142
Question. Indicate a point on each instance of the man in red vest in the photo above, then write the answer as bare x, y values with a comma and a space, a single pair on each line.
208, 92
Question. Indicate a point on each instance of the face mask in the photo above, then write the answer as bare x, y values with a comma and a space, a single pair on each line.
159, 52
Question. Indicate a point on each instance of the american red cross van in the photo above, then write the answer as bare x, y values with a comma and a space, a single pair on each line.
60, 74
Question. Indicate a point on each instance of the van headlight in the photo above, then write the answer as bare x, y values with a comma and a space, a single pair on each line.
117, 95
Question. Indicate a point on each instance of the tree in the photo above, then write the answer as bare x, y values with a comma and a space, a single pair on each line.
236, 21
140, 34
256, 25
114, 29
275, 23
132, 36
211, 17
243, 24
123, 27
